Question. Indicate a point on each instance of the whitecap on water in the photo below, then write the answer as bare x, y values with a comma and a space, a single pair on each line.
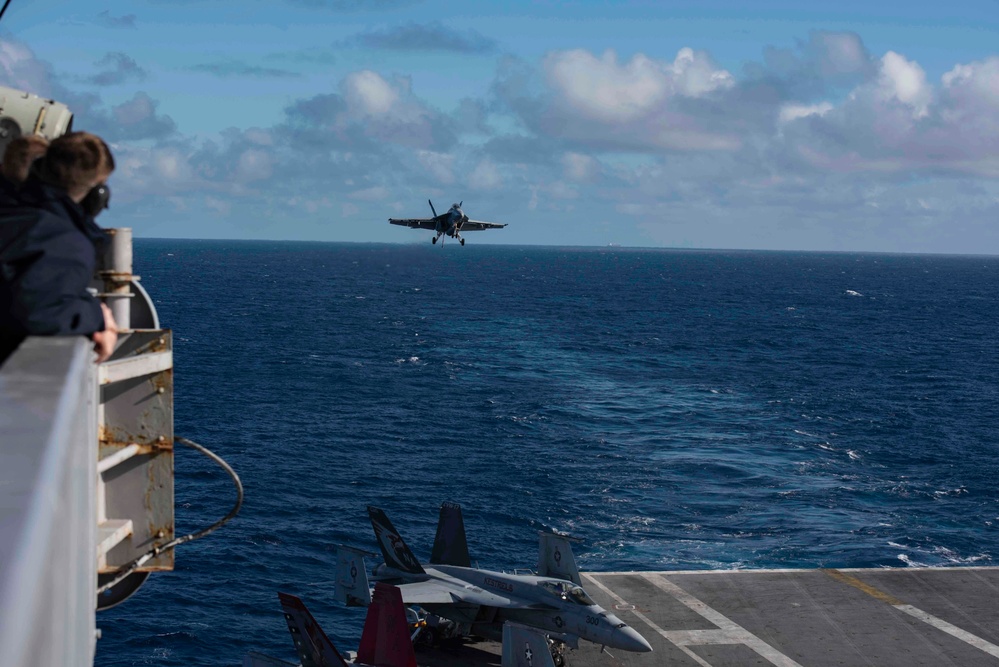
853, 293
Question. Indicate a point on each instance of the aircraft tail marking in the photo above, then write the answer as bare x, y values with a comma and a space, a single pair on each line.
385, 640
555, 558
351, 578
525, 647
450, 545
394, 549
313, 646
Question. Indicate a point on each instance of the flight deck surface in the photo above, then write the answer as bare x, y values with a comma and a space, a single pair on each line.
879, 617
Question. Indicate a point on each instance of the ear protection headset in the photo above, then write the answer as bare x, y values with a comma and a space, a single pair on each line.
98, 199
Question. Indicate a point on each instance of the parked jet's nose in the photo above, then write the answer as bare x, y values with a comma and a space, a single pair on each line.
628, 639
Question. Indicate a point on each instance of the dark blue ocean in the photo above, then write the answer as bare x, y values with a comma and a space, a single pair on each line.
673, 409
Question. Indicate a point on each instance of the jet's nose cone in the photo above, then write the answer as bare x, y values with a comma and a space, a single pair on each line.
629, 640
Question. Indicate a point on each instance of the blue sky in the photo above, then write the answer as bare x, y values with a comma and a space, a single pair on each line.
718, 124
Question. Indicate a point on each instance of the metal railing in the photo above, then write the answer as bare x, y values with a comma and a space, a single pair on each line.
48, 503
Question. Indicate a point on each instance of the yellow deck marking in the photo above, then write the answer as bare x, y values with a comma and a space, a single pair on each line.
851, 580
929, 619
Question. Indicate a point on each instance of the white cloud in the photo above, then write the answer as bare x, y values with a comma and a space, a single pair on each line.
973, 89
643, 104
22, 70
580, 167
368, 93
603, 90
904, 80
375, 193
789, 112
253, 164
839, 53
694, 75
485, 176
440, 166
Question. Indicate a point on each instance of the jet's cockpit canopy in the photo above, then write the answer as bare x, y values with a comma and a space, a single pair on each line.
22, 113
568, 591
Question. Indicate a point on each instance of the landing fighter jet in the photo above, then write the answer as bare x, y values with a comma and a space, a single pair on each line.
450, 223
481, 601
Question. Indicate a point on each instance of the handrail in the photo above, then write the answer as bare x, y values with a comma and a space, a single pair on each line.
48, 448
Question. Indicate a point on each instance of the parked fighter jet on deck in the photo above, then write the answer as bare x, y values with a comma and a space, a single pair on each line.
450, 223
481, 601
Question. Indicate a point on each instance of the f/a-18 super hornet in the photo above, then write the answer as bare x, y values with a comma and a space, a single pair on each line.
451, 223
481, 601
386, 640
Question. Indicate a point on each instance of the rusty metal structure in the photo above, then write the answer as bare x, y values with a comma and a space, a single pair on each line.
86, 475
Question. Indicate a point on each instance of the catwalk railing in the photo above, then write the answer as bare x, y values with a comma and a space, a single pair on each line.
48, 504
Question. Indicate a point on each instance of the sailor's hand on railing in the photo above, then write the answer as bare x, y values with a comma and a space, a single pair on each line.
104, 341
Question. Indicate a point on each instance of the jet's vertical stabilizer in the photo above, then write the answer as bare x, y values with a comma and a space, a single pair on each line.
351, 577
555, 558
397, 555
525, 647
385, 640
450, 546
313, 646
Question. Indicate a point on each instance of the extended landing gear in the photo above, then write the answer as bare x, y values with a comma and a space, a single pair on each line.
462, 241
557, 650
433, 240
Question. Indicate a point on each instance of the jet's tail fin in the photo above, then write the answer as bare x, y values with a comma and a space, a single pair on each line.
385, 640
450, 546
555, 557
313, 646
434, 211
351, 577
525, 647
397, 555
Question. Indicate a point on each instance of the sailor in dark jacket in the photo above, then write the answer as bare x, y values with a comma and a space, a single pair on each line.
48, 247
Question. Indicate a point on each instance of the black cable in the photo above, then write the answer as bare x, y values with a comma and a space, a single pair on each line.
4, 9
156, 551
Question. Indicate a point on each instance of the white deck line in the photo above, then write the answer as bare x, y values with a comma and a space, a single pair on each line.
693, 656
732, 629
952, 630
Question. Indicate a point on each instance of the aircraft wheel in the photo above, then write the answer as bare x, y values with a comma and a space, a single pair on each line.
558, 660
426, 639
462, 241
433, 240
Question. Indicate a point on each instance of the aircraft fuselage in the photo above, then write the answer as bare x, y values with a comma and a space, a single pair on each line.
553, 605
452, 221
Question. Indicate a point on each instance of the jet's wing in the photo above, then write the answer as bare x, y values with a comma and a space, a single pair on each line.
415, 223
478, 225
435, 593
525, 647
